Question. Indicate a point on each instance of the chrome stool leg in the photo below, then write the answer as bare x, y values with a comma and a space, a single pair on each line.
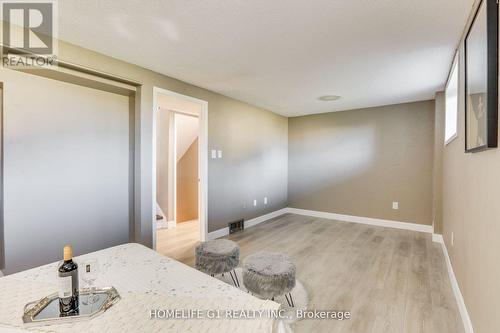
234, 278
289, 301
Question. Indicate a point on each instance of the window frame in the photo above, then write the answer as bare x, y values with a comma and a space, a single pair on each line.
454, 66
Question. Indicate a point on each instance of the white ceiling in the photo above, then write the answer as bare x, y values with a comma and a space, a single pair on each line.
281, 54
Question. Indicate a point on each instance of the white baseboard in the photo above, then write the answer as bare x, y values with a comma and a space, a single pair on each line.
248, 224
162, 225
456, 289
165, 224
333, 216
363, 220
437, 238
265, 217
218, 233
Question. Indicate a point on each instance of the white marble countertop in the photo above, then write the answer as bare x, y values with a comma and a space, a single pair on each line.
143, 276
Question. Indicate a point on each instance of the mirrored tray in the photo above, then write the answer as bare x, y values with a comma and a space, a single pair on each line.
46, 310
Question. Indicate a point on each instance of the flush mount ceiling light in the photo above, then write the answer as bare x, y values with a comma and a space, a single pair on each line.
329, 98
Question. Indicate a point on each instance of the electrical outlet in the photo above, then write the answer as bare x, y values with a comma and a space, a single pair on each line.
452, 239
255, 202
265, 200
395, 205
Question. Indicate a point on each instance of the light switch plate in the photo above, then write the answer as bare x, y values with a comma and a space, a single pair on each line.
395, 205
265, 200
219, 153
255, 202
214, 153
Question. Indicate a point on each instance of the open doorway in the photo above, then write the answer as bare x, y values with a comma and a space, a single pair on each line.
180, 145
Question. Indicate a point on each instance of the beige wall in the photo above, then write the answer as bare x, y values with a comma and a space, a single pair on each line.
359, 162
471, 191
187, 184
254, 165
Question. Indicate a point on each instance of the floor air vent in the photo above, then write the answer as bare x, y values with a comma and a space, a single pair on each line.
236, 226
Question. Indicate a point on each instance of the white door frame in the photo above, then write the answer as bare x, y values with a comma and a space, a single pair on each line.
172, 169
202, 160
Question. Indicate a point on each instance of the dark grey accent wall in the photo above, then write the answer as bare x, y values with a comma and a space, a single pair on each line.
2, 241
359, 161
67, 161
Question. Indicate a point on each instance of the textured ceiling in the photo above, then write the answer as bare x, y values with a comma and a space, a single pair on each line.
281, 54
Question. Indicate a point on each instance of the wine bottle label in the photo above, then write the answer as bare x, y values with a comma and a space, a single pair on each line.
65, 289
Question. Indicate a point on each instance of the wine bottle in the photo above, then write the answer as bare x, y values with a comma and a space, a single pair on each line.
68, 284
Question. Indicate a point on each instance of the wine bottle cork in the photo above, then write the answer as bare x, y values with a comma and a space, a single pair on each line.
68, 252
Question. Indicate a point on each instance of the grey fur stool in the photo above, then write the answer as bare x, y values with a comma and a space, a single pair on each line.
269, 274
218, 256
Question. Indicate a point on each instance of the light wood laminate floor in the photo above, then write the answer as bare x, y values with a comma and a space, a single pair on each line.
179, 242
390, 280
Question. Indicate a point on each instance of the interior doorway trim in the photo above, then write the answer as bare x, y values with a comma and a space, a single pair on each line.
202, 159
